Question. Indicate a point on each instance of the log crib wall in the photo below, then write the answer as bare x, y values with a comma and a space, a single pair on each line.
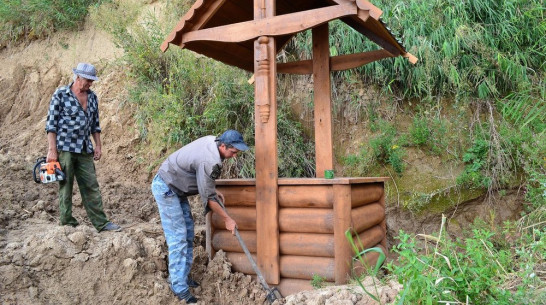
314, 214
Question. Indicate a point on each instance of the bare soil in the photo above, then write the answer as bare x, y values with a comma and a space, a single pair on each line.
42, 262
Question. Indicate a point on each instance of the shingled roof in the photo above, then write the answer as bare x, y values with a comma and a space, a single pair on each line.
225, 29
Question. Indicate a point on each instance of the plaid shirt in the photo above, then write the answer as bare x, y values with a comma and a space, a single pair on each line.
70, 122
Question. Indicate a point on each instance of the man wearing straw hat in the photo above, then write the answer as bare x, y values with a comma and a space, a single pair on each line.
72, 119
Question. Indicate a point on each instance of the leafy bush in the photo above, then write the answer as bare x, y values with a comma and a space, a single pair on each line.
429, 131
385, 149
182, 96
475, 159
474, 270
32, 19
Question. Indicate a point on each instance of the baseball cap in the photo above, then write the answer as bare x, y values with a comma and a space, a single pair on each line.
86, 71
234, 138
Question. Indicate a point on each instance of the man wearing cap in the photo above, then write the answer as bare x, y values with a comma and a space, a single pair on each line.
191, 170
72, 119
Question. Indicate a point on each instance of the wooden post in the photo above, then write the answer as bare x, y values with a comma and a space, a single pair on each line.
267, 210
342, 221
322, 98
384, 222
208, 235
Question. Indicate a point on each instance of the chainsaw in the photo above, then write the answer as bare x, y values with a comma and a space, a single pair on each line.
46, 172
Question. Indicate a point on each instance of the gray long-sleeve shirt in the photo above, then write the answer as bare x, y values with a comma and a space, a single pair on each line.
193, 169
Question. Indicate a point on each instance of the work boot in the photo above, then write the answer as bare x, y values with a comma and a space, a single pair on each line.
187, 296
110, 226
192, 283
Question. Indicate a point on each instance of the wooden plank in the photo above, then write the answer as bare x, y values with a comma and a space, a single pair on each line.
271, 26
238, 195
209, 230
366, 193
267, 210
323, 102
384, 39
307, 181
342, 222
351, 61
337, 63
239, 262
228, 53
302, 67
384, 222
368, 261
307, 244
306, 196
370, 237
338, 180
367, 216
243, 216
289, 286
301, 220
208, 10
224, 240
304, 267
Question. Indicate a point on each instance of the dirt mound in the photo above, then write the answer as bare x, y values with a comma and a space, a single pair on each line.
43, 263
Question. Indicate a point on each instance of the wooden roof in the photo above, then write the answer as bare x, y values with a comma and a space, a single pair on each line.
225, 29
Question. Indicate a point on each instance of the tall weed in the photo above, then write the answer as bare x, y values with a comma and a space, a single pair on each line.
34, 19
468, 49
473, 270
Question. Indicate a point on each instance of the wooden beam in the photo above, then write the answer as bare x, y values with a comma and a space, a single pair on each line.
265, 91
211, 8
272, 26
342, 222
323, 102
337, 63
389, 44
305, 220
301, 67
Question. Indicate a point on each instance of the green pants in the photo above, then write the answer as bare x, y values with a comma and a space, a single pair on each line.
81, 166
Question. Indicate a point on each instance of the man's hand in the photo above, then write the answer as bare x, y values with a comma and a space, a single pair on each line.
51, 155
230, 224
97, 154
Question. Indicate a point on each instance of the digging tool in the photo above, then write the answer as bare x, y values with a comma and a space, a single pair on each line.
272, 293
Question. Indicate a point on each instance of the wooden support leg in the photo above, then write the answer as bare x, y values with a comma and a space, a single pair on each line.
323, 100
342, 221
267, 208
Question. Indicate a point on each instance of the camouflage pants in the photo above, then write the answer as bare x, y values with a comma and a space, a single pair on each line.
177, 222
82, 167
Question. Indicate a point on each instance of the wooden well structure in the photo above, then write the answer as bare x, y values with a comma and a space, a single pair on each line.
294, 227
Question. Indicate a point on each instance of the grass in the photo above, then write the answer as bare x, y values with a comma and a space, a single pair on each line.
488, 266
22, 20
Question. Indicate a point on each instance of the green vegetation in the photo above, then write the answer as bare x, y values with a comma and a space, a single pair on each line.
486, 58
32, 19
486, 267
360, 258
318, 281
182, 96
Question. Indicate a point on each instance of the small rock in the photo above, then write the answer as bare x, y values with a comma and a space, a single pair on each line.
39, 206
32, 292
